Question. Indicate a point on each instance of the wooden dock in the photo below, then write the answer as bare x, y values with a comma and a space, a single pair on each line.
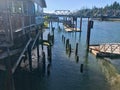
110, 50
71, 29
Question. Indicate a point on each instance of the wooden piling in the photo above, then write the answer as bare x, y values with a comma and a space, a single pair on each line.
43, 63
90, 25
43, 57
9, 84
62, 37
77, 59
76, 50
51, 25
58, 22
67, 44
76, 24
49, 53
37, 44
70, 49
81, 68
53, 28
48, 37
30, 57
48, 69
81, 24
41, 34
64, 40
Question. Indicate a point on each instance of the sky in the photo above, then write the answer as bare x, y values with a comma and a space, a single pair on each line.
73, 5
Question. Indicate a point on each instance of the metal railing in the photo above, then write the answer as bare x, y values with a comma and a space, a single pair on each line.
110, 48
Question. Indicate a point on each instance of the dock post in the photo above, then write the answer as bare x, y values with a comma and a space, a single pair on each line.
37, 44
49, 53
64, 39
81, 68
81, 24
43, 62
43, 57
67, 44
73, 21
76, 24
51, 25
48, 37
70, 48
9, 84
41, 34
76, 50
30, 57
58, 21
90, 25
48, 69
53, 28
77, 59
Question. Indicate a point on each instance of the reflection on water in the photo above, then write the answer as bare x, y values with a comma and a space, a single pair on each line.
112, 75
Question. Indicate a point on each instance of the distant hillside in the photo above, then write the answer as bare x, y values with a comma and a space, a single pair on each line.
112, 10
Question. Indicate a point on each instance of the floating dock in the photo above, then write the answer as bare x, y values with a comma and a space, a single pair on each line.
71, 29
109, 50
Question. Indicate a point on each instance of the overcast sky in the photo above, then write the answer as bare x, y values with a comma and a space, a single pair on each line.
53, 5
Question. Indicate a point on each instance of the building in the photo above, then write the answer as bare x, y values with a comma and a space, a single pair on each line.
20, 26
18, 18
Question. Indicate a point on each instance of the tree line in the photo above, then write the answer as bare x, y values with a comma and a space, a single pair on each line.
112, 10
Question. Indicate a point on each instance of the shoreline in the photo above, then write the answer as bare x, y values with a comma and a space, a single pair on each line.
107, 19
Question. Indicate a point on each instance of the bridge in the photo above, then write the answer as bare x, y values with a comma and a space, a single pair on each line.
62, 12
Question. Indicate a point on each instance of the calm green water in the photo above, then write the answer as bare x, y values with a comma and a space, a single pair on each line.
63, 73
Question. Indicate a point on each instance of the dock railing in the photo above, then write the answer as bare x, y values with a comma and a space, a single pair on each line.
110, 48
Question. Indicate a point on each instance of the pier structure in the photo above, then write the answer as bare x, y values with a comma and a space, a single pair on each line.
110, 50
69, 20
20, 30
